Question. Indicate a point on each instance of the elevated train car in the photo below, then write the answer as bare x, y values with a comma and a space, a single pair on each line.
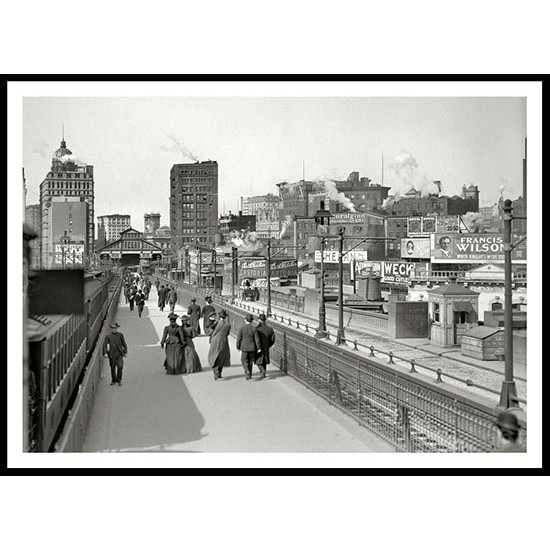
59, 348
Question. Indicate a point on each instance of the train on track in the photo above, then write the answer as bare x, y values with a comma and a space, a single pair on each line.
59, 349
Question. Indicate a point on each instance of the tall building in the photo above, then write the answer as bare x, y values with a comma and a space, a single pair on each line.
67, 181
110, 227
194, 204
32, 219
266, 210
151, 222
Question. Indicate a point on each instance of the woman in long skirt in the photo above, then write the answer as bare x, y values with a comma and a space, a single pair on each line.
192, 360
173, 343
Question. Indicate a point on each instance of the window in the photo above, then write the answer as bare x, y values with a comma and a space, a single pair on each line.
436, 312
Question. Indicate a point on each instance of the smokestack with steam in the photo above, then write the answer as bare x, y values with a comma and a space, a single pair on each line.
329, 187
177, 146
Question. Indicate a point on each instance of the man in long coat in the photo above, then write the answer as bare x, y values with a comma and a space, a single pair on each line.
267, 339
161, 292
172, 298
219, 355
207, 310
248, 343
115, 348
194, 312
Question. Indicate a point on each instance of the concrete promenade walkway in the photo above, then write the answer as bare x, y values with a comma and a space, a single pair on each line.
193, 413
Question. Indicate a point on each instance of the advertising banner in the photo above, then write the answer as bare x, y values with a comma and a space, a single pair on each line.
331, 256
447, 224
418, 226
69, 253
397, 272
473, 248
415, 248
257, 268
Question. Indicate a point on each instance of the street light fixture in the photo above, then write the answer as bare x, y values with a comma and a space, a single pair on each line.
322, 219
508, 393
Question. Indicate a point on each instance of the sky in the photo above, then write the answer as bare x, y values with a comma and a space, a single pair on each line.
132, 142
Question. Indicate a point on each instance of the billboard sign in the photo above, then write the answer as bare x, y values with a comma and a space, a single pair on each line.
419, 226
447, 224
473, 248
331, 256
415, 248
397, 272
68, 254
257, 268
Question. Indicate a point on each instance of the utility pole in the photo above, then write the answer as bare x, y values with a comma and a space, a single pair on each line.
268, 268
340, 336
322, 331
234, 272
214, 268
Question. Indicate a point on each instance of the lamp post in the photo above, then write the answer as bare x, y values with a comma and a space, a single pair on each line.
233, 272
268, 269
340, 336
214, 269
322, 219
508, 394
199, 271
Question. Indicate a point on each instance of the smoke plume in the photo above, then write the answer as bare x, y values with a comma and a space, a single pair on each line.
329, 187
71, 158
177, 146
473, 222
284, 227
405, 176
42, 149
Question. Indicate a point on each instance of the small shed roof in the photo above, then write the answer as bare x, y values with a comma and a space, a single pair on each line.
482, 332
452, 289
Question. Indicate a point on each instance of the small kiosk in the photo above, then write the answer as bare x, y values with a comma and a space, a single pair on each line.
453, 311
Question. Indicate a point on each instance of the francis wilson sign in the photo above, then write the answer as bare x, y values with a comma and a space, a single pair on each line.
473, 248
397, 272
279, 268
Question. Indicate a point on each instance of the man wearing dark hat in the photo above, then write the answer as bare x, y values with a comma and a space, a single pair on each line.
508, 433
194, 312
219, 354
207, 310
248, 343
115, 348
267, 338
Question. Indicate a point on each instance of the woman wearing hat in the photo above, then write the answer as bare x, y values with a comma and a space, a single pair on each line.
174, 341
508, 433
192, 360
219, 355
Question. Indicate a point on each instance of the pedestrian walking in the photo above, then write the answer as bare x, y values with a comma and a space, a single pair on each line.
210, 324
146, 289
140, 301
248, 343
194, 312
266, 335
132, 297
192, 360
206, 311
173, 343
508, 433
172, 298
219, 354
115, 348
161, 293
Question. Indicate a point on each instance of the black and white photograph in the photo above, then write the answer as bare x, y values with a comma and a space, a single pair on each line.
335, 277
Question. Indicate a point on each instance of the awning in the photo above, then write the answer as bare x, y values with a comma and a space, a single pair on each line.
467, 307
462, 306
